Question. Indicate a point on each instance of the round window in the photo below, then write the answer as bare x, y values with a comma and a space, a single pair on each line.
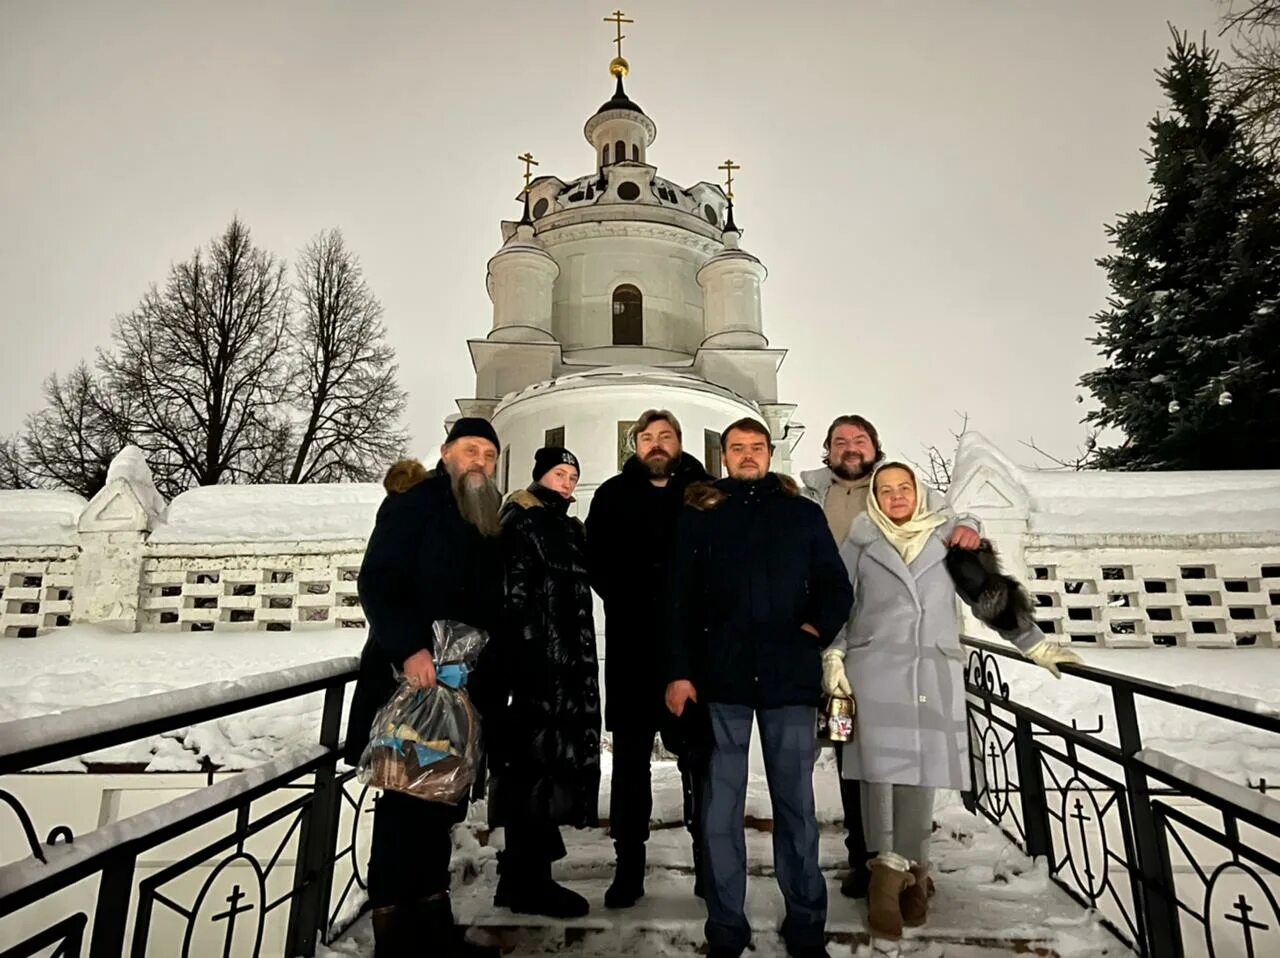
628, 191
540, 208
709, 212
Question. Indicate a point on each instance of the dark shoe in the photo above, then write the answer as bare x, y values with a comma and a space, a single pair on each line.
808, 951
856, 883
545, 898
628, 878
448, 939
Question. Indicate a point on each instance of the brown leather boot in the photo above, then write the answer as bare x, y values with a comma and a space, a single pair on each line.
914, 900
890, 877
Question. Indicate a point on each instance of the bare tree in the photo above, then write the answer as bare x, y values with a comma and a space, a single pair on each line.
344, 380
13, 468
1253, 72
201, 359
71, 441
939, 466
1082, 459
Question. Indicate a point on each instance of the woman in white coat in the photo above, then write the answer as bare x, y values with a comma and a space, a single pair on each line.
900, 659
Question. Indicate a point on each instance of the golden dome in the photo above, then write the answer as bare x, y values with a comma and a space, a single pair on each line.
619, 67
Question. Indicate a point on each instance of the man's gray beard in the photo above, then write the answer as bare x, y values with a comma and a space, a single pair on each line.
660, 467
851, 475
478, 503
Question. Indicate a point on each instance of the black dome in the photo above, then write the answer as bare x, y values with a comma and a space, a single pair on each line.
620, 101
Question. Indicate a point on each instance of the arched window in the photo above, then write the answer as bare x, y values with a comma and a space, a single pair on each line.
620, 151
628, 316
606, 155
635, 152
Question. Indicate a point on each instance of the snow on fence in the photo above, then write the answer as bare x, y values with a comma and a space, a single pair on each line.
1111, 559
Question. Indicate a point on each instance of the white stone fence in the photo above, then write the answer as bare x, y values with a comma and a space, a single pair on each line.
1111, 559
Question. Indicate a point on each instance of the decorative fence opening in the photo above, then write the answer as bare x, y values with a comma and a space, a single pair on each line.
265, 861
1177, 860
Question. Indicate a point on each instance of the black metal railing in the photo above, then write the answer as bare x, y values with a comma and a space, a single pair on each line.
1178, 861
236, 902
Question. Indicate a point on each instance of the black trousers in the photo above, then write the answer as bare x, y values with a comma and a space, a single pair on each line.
631, 787
411, 848
851, 801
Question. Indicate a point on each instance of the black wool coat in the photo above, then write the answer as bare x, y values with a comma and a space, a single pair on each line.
544, 747
754, 561
423, 562
630, 531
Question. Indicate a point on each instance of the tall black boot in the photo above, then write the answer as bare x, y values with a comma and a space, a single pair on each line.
628, 877
438, 935
391, 927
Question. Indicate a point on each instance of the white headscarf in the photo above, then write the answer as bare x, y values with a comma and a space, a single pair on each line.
912, 536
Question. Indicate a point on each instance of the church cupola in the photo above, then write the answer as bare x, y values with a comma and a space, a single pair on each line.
730, 281
619, 131
520, 280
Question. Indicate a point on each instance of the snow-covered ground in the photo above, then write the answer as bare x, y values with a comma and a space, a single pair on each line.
991, 899
87, 665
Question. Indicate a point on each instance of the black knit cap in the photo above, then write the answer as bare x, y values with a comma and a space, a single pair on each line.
548, 457
473, 426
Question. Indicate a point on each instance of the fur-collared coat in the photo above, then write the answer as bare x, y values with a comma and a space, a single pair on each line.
423, 562
630, 531
904, 659
544, 746
754, 561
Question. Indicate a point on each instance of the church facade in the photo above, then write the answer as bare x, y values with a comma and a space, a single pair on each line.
617, 291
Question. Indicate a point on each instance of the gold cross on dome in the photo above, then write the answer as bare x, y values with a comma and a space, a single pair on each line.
618, 18
529, 163
728, 166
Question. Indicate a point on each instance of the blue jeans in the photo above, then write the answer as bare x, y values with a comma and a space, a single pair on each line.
787, 735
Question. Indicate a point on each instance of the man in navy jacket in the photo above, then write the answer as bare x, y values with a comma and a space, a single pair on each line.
759, 591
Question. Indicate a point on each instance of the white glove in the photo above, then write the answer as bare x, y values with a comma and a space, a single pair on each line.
834, 681
1049, 655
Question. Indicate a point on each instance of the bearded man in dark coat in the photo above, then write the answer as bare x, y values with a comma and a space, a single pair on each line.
630, 530
433, 555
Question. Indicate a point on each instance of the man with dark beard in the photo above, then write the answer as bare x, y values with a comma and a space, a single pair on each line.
433, 555
853, 451
630, 530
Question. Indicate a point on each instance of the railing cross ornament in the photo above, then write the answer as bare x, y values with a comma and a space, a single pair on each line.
1247, 924
1080, 818
229, 916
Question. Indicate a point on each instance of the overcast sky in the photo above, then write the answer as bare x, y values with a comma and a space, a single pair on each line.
926, 182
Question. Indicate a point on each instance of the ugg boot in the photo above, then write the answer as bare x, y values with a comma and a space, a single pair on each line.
628, 877
914, 901
890, 877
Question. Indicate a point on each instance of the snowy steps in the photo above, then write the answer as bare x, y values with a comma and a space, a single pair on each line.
991, 900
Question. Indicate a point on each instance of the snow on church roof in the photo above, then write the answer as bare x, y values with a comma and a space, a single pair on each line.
271, 513
630, 375
36, 517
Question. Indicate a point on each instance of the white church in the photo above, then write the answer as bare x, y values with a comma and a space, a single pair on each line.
618, 291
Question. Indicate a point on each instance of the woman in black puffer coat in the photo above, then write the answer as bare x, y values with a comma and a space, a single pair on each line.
544, 745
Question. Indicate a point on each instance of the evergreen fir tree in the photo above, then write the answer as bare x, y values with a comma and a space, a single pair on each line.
1191, 335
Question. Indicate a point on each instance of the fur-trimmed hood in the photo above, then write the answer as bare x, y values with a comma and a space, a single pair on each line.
406, 474
705, 496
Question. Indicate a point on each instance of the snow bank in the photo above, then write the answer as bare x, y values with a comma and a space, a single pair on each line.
271, 513
35, 517
1154, 502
